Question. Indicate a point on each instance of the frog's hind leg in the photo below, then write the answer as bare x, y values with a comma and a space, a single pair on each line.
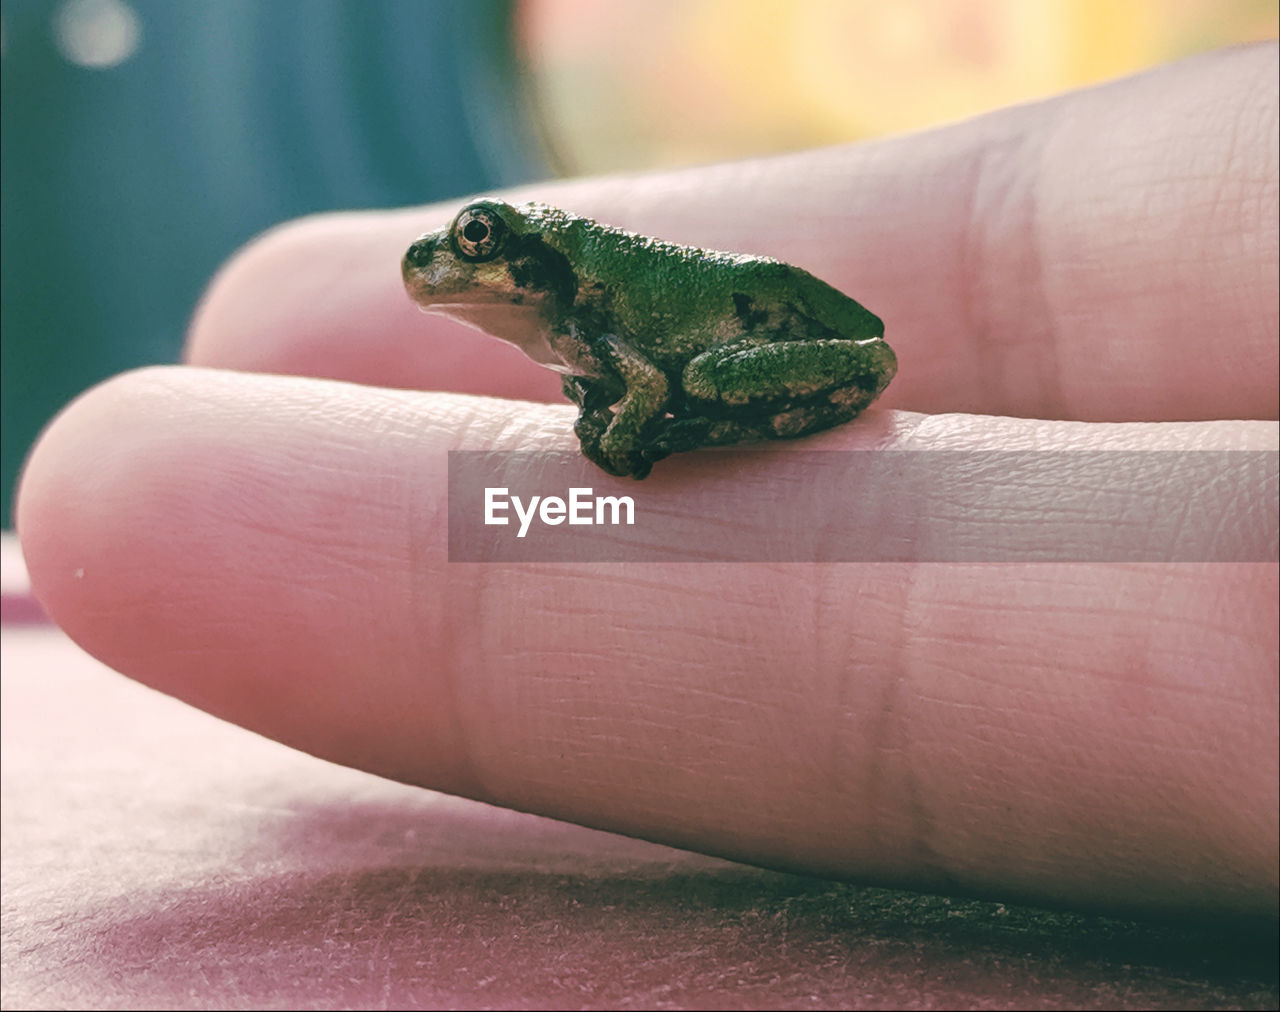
801, 421
750, 378
680, 434
787, 389
748, 390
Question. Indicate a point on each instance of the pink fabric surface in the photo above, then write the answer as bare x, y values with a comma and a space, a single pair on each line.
155, 857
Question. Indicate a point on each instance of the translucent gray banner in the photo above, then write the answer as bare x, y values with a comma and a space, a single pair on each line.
787, 505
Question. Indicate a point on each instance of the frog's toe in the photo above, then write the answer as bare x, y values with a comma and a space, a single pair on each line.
677, 435
632, 466
632, 463
590, 426
621, 465
789, 424
641, 469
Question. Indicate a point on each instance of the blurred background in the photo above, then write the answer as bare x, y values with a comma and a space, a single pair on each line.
144, 140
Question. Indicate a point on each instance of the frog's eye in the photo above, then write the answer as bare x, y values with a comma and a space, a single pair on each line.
479, 232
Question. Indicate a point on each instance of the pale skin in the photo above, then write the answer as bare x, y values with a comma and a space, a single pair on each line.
271, 547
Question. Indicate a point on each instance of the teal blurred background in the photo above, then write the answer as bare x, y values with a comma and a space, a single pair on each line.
144, 141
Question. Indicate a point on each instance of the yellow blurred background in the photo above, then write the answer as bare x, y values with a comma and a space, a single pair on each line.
631, 84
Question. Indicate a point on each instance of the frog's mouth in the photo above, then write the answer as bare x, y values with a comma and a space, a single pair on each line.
521, 325
431, 274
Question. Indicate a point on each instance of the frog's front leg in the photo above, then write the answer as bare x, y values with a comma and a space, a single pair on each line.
788, 388
594, 399
620, 448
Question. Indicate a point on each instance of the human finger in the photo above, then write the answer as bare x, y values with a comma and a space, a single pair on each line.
274, 550
1110, 254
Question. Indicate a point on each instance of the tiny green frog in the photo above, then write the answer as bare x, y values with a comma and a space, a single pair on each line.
663, 348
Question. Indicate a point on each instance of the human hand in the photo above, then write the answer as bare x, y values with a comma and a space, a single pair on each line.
272, 547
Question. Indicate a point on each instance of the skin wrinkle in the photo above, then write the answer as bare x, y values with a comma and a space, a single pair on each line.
1052, 399
479, 718
1240, 155
1257, 241
972, 265
1155, 200
893, 740
684, 726
1001, 257
856, 752
835, 643
437, 637
951, 660
1157, 708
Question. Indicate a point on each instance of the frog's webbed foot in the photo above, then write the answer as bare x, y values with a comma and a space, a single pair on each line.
682, 434
617, 419
600, 445
621, 455
592, 430
588, 394
678, 435
575, 389
623, 465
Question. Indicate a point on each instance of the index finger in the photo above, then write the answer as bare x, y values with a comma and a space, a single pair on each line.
1109, 254
275, 551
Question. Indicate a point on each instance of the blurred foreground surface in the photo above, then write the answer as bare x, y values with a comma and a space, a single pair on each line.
154, 856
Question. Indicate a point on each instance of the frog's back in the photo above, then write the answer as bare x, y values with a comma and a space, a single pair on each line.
824, 303
657, 287
602, 251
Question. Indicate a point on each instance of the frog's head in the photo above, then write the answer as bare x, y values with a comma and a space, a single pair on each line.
491, 269
490, 253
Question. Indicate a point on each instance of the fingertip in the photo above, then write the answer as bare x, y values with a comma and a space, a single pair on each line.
282, 303
267, 549
70, 487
